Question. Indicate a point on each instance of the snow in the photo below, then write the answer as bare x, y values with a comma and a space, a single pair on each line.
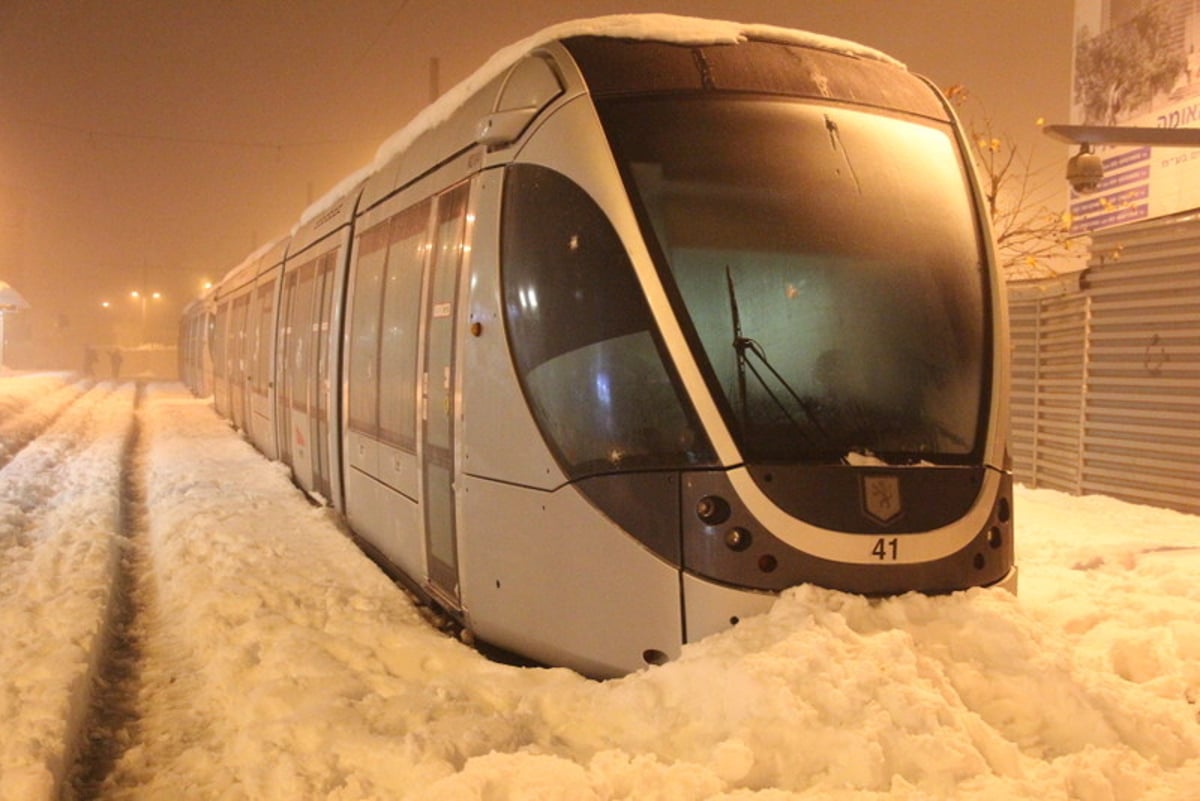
276, 662
27, 405
59, 514
668, 28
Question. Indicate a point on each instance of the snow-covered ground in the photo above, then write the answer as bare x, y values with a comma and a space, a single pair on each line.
274, 661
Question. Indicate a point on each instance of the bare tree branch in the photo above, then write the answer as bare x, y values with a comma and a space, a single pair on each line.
1029, 232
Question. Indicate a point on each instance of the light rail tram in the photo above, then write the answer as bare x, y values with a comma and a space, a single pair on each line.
649, 320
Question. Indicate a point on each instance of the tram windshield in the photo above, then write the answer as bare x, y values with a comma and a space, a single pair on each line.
825, 261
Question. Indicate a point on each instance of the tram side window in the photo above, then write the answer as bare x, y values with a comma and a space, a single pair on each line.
219, 326
322, 316
301, 339
237, 364
266, 314
207, 333
582, 335
407, 246
364, 330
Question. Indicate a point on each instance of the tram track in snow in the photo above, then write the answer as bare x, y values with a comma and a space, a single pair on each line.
112, 712
62, 548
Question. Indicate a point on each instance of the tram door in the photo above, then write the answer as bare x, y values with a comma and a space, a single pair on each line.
296, 345
237, 364
304, 380
289, 352
439, 397
323, 402
262, 374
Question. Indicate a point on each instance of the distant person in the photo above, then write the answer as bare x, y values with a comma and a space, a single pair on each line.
89, 361
114, 356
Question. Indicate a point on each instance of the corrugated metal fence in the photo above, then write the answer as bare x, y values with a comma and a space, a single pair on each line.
1106, 369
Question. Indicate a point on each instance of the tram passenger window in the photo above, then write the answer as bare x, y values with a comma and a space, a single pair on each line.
302, 337
364, 330
237, 364
583, 337
401, 307
220, 323
266, 313
322, 314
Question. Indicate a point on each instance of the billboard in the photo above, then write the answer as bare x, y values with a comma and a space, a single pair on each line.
1137, 62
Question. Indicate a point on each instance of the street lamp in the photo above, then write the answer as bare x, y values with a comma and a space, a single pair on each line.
144, 297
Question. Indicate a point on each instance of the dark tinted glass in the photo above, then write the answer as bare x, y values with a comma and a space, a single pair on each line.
827, 259
582, 335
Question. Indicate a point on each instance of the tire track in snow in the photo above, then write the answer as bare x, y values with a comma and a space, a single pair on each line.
112, 713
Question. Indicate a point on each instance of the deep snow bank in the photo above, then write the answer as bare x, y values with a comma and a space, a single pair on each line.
281, 664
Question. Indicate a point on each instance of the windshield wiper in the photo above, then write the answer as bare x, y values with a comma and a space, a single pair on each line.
744, 345
835, 139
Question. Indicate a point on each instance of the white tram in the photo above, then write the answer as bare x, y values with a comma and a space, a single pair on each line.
649, 320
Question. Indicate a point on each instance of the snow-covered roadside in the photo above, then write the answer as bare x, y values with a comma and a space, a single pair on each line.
59, 547
278, 663
281, 664
1121, 583
29, 402
19, 391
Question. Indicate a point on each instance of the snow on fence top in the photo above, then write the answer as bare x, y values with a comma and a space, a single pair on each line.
651, 27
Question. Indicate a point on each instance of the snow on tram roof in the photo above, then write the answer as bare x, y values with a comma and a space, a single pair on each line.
668, 28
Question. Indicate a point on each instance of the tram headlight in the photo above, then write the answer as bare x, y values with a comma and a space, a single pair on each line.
737, 538
713, 510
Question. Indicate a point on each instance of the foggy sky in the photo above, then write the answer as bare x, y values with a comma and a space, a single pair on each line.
153, 144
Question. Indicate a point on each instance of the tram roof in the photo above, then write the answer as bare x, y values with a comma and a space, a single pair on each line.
667, 28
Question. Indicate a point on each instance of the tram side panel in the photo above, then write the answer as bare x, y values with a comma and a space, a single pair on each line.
249, 361
206, 364
307, 333
219, 348
184, 365
295, 344
544, 571
526, 561
290, 351
400, 373
239, 307
191, 342
261, 378
381, 470
200, 354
